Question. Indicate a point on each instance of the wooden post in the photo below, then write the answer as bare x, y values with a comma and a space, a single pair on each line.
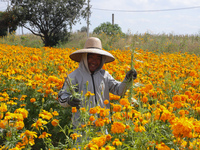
112, 19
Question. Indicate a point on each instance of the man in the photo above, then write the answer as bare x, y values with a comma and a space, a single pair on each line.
91, 77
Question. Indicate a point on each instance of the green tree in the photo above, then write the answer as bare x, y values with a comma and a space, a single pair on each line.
108, 29
52, 20
7, 20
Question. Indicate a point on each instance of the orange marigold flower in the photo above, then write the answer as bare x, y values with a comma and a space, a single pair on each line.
19, 125
144, 99
44, 135
106, 102
117, 107
74, 110
124, 101
55, 122
92, 118
118, 127
108, 137
83, 109
3, 124
93, 110
32, 100
55, 113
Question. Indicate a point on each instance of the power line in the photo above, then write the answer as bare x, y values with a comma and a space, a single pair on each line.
153, 10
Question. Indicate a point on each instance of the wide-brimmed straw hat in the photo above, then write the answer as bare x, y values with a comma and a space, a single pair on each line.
92, 45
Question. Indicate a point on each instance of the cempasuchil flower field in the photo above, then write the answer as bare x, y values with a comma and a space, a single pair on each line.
160, 111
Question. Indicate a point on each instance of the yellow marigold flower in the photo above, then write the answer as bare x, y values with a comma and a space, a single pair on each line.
89, 94
162, 146
74, 110
3, 107
23, 97
99, 141
32, 100
19, 125
74, 136
44, 135
28, 137
118, 127
23, 111
45, 115
39, 123
116, 142
55, 122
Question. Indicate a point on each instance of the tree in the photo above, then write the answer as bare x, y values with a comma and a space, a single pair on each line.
7, 20
49, 19
108, 29
84, 29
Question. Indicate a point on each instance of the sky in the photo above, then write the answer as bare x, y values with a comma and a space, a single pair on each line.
178, 17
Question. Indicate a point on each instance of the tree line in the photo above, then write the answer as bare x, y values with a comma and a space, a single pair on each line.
51, 20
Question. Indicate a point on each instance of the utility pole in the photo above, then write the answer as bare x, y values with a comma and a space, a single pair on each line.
88, 16
112, 19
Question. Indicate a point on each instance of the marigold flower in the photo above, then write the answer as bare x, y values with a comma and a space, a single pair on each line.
55, 113
92, 118
93, 110
124, 102
116, 142
19, 125
32, 100
3, 107
106, 102
45, 115
118, 127
89, 94
74, 110
44, 135
55, 122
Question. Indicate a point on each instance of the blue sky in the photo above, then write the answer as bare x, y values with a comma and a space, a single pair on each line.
184, 21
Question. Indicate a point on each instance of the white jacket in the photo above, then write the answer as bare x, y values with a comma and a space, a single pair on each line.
101, 83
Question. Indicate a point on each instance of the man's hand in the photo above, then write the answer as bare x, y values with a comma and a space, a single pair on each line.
74, 102
132, 74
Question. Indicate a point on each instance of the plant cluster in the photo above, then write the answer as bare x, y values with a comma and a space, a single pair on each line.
161, 111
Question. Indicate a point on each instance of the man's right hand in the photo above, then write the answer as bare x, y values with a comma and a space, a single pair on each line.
74, 102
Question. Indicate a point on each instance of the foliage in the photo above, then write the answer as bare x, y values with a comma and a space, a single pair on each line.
7, 20
84, 29
162, 113
49, 19
108, 29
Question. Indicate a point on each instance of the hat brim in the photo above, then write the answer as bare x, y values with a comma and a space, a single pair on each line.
77, 55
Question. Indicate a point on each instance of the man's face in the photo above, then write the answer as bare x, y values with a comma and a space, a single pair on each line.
94, 61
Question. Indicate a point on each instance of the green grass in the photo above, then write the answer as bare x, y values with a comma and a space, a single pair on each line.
152, 42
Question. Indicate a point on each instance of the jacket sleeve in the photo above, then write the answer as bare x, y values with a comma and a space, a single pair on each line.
64, 95
116, 87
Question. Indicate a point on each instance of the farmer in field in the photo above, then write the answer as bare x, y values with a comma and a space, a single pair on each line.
91, 77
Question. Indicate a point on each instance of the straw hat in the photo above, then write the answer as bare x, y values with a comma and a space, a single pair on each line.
92, 45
